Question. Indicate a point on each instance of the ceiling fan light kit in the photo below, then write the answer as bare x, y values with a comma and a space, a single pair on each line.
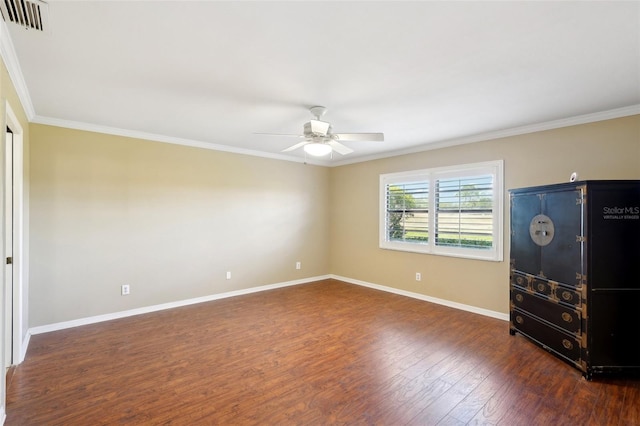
317, 149
319, 140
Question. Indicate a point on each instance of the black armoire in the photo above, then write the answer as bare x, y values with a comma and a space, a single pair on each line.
575, 280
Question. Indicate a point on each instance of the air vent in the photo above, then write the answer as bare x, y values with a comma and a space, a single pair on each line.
30, 14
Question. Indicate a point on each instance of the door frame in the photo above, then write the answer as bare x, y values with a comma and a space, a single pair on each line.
15, 307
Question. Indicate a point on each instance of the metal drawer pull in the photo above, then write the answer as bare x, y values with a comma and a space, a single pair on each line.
541, 287
566, 295
567, 344
519, 319
519, 297
567, 317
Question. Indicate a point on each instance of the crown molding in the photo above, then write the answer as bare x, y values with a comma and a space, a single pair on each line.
168, 139
10, 59
498, 134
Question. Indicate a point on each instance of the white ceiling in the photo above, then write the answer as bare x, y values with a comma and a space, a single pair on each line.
427, 74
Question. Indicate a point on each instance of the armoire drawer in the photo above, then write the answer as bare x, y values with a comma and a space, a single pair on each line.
568, 296
564, 344
520, 280
541, 287
545, 309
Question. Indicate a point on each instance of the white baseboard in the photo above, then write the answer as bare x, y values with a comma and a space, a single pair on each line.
122, 314
449, 303
25, 345
147, 309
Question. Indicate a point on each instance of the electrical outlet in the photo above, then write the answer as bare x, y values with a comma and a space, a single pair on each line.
418, 276
228, 275
298, 265
125, 289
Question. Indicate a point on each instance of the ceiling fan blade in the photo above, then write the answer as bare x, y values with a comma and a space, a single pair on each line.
357, 137
279, 134
339, 148
296, 146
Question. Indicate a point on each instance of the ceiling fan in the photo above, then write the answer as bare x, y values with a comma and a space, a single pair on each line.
319, 140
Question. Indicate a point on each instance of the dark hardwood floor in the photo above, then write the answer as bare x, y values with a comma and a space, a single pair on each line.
320, 353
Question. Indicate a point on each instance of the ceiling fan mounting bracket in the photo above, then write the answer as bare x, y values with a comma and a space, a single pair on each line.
318, 111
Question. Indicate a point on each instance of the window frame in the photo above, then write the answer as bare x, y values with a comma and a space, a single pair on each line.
432, 175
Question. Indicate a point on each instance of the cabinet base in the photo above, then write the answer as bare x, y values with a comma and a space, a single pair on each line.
590, 372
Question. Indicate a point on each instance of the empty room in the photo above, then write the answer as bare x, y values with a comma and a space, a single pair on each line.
320, 212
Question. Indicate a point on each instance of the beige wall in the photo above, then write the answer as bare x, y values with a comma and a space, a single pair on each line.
602, 150
171, 220
168, 220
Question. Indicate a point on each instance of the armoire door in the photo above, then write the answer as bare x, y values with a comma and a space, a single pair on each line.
561, 258
525, 253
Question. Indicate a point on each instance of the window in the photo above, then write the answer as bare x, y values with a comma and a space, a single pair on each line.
451, 211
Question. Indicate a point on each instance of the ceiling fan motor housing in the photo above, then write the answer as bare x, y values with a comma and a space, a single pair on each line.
316, 128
